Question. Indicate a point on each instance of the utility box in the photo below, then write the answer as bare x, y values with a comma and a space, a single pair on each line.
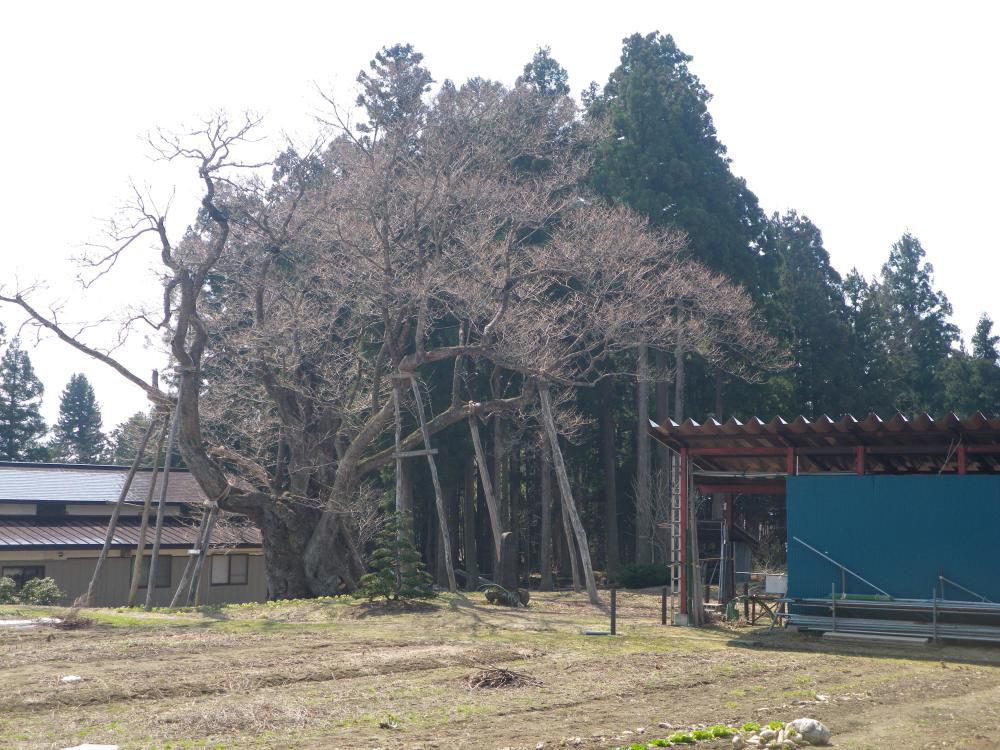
776, 583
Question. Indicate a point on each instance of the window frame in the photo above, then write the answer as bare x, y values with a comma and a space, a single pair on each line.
20, 580
161, 570
217, 560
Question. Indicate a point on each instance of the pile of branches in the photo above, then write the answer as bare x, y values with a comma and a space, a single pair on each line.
494, 677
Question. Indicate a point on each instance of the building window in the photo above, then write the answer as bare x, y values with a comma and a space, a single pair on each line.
22, 573
162, 572
230, 570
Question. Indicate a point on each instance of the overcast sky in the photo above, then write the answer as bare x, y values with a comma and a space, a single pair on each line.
871, 118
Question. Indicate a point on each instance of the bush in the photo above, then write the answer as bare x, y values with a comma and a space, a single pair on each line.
39, 591
8, 591
635, 576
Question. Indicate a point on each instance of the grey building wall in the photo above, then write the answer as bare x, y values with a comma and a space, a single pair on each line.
73, 575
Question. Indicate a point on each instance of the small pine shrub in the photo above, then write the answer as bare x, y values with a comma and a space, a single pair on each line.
398, 571
8, 591
634, 576
40, 591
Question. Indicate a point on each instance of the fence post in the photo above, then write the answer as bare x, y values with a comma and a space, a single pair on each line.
614, 611
663, 606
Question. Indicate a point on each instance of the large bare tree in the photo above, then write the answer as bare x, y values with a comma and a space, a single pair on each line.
445, 230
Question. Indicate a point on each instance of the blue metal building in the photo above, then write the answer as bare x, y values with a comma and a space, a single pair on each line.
888, 521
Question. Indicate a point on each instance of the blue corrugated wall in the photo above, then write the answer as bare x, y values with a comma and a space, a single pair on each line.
899, 532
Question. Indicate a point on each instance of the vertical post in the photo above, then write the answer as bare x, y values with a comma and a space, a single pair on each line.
140, 546
833, 604
682, 477
614, 611
438, 498
161, 508
113, 523
663, 606
859, 460
746, 602
962, 458
934, 612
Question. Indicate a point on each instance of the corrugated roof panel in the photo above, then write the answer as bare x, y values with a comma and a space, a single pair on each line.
23, 533
66, 483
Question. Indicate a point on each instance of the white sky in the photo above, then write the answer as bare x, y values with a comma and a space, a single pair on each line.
870, 118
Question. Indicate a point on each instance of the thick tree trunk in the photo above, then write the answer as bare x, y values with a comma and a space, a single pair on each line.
679, 373
643, 472
545, 535
607, 420
469, 527
514, 496
662, 407
567, 495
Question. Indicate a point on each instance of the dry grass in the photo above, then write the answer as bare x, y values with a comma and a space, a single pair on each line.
337, 674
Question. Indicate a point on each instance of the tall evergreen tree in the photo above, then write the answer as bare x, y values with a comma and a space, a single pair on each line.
77, 436
984, 342
545, 75
21, 423
664, 159
919, 336
810, 294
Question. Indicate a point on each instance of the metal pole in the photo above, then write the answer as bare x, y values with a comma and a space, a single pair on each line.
614, 611
842, 567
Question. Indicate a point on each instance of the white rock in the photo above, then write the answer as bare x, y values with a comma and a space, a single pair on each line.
71, 679
665, 725
766, 735
812, 731
89, 746
738, 742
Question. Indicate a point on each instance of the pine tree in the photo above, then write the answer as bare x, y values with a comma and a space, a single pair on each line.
398, 571
21, 423
77, 436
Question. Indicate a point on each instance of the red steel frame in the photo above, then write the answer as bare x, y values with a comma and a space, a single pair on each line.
777, 486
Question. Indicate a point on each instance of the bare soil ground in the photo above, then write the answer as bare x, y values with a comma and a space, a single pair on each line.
339, 674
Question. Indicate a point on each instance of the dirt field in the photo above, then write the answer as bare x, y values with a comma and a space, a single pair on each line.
338, 674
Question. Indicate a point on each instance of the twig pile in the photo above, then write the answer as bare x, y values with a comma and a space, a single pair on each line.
494, 677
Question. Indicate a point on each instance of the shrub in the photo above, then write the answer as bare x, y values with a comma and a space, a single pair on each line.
39, 591
750, 726
702, 734
634, 576
8, 591
721, 730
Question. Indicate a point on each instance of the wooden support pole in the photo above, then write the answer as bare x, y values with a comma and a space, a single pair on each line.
206, 542
113, 523
161, 508
484, 475
438, 497
614, 611
140, 547
182, 585
567, 494
962, 459
859, 460
663, 606
396, 399
574, 559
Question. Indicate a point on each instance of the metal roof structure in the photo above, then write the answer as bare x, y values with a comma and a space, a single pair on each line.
80, 483
85, 533
899, 445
